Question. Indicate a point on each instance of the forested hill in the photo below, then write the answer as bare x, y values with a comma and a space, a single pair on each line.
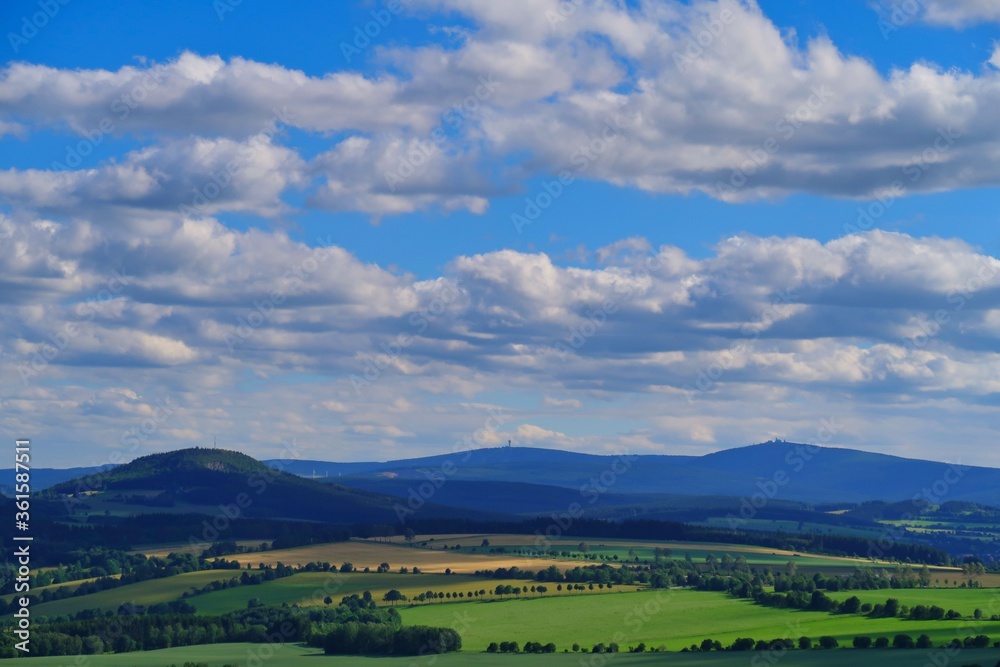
791, 471
198, 479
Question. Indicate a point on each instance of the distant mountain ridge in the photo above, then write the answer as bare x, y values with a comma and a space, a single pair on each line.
203, 478
777, 470
43, 478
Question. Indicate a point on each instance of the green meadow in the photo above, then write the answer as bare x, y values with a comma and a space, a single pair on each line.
264, 655
675, 619
148, 592
963, 600
310, 588
604, 551
672, 619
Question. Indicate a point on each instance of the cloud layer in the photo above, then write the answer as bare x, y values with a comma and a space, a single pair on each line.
710, 97
259, 338
135, 315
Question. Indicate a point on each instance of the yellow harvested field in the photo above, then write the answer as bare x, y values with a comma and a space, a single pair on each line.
440, 541
164, 550
71, 585
474, 540
363, 553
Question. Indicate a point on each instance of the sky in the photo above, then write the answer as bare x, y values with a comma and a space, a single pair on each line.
377, 230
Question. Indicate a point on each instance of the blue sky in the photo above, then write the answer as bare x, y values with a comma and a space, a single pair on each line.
369, 278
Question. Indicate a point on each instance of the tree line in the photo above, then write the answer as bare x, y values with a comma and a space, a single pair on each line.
356, 625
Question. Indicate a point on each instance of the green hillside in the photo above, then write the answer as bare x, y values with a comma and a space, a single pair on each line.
201, 480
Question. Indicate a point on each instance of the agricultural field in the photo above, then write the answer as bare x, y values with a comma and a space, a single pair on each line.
979, 531
432, 564
70, 585
674, 619
963, 600
364, 553
291, 655
153, 591
164, 550
644, 550
774, 525
470, 541
310, 588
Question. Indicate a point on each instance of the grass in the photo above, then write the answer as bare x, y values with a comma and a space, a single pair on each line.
217, 655
70, 585
310, 588
470, 543
148, 592
164, 549
675, 619
362, 553
431, 561
962, 600
775, 525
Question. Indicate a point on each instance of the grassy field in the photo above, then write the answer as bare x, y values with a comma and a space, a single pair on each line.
962, 600
309, 588
774, 525
431, 561
166, 548
363, 554
470, 543
149, 592
71, 585
674, 619
218, 655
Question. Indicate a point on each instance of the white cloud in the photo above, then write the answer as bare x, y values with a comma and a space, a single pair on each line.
565, 403
204, 176
959, 13
676, 350
398, 176
529, 434
259, 336
750, 114
196, 94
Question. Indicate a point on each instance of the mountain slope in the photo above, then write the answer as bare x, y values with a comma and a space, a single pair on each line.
777, 470
532, 500
43, 478
206, 480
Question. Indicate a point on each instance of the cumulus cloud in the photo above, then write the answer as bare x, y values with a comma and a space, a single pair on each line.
626, 95
759, 325
195, 94
397, 176
570, 403
122, 285
202, 176
959, 13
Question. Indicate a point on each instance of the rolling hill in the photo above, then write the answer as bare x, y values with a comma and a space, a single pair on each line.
526, 480
202, 480
43, 478
814, 475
